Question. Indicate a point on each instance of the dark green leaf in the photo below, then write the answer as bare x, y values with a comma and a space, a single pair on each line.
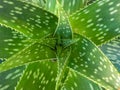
28, 19
99, 21
39, 76
112, 51
11, 42
10, 78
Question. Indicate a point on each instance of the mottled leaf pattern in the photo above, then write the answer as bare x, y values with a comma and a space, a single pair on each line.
112, 51
75, 81
88, 60
96, 22
9, 79
33, 52
39, 76
11, 42
30, 20
57, 42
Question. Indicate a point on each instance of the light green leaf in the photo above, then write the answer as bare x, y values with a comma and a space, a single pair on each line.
10, 78
75, 81
34, 52
63, 60
112, 51
39, 3
91, 63
39, 76
11, 42
51, 6
28, 19
71, 6
96, 22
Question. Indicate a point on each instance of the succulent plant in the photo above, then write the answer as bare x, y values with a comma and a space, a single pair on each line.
59, 44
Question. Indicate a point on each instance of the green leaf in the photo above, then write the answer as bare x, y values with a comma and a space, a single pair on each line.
90, 62
34, 52
39, 76
9, 79
75, 81
11, 42
28, 19
96, 22
63, 30
112, 51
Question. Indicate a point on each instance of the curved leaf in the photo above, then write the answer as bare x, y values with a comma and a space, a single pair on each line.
11, 42
91, 63
96, 22
112, 51
28, 19
39, 76
32, 53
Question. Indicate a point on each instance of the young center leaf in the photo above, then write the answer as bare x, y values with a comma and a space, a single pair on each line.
96, 22
39, 76
26, 18
91, 63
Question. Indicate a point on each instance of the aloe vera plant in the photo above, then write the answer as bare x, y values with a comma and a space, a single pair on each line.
59, 44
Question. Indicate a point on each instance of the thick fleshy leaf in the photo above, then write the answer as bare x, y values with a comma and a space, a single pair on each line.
112, 51
75, 81
33, 52
26, 18
96, 22
91, 63
63, 30
39, 76
9, 79
11, 42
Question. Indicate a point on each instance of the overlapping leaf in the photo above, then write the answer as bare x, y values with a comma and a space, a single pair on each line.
76, 82
10, 78
33, 52
112, 51
96, 22
28, 19
11, 42
39, 76
88, 60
